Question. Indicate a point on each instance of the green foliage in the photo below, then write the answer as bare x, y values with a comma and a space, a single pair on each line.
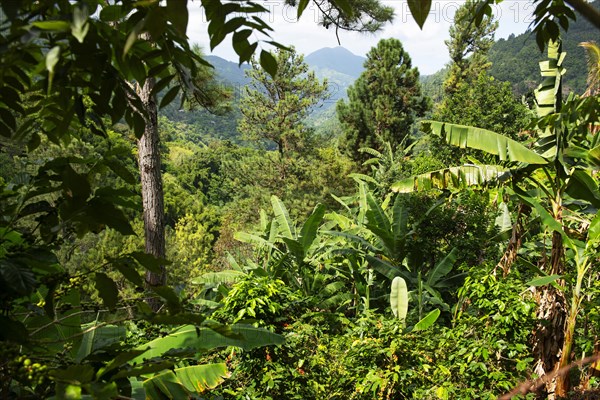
273, 107
513, 58
468, 46
327, 355
383, 102
265, 301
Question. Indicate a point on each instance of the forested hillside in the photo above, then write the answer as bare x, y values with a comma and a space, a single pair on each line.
169, 230
516, 59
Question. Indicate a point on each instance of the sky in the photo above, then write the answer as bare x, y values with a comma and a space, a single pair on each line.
426, 47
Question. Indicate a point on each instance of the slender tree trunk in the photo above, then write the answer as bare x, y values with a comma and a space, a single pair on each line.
152, 189
550, 333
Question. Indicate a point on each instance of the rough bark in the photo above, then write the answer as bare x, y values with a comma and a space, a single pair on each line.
152, 189
549, 336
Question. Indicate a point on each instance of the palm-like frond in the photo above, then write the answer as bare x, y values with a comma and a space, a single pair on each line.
452, 178
482, 139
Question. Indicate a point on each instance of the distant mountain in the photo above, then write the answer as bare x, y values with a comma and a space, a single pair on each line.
517, 58
338, 65
229, 71
336, 59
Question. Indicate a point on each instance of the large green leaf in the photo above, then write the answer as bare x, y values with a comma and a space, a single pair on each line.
482, 139
452, 178
308, 233
442, 268
286, 228
582, 186
385, 268
419, 10
543, 280
203, 338
547, 95
199, 378
227, 276
253, 239
97, 337
427, 320
399, 298
377, 216
166, 385
107, 290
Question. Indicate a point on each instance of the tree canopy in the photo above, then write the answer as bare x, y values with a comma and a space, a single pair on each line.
383, 102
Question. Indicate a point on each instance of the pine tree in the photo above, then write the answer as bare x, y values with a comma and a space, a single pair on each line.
468, 46
273, 108
383, 102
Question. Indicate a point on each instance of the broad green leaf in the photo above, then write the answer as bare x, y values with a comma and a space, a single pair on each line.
286, 228
204, 338
199, 378
13, 331
127, 269
482, 139
442, 268
52, 25
165, 384
419, 10
137, 389
545, 216
301, 6
76, 374
145, 369
178, 15
427, 320
452, 178
148, 261
308, 233
268, 62
503, 221
594, 229
107, 290
399, 225
295, 248
377, 216
399, 298
253, 239
227, 276
121, 359
169, 96
543, 280
97, 337
582, 186
111, 13
17, 275
384, 268
132, 37
168, 293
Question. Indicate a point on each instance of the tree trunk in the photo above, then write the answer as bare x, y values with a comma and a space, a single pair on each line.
152, 189
549, 336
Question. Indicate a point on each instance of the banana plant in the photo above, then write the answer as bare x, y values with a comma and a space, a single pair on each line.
554, 177
383, 239
399, 305
297, 256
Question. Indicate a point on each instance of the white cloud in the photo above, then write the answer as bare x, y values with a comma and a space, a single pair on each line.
426, 47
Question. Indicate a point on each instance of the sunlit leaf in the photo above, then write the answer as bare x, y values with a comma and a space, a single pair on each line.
427, 320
